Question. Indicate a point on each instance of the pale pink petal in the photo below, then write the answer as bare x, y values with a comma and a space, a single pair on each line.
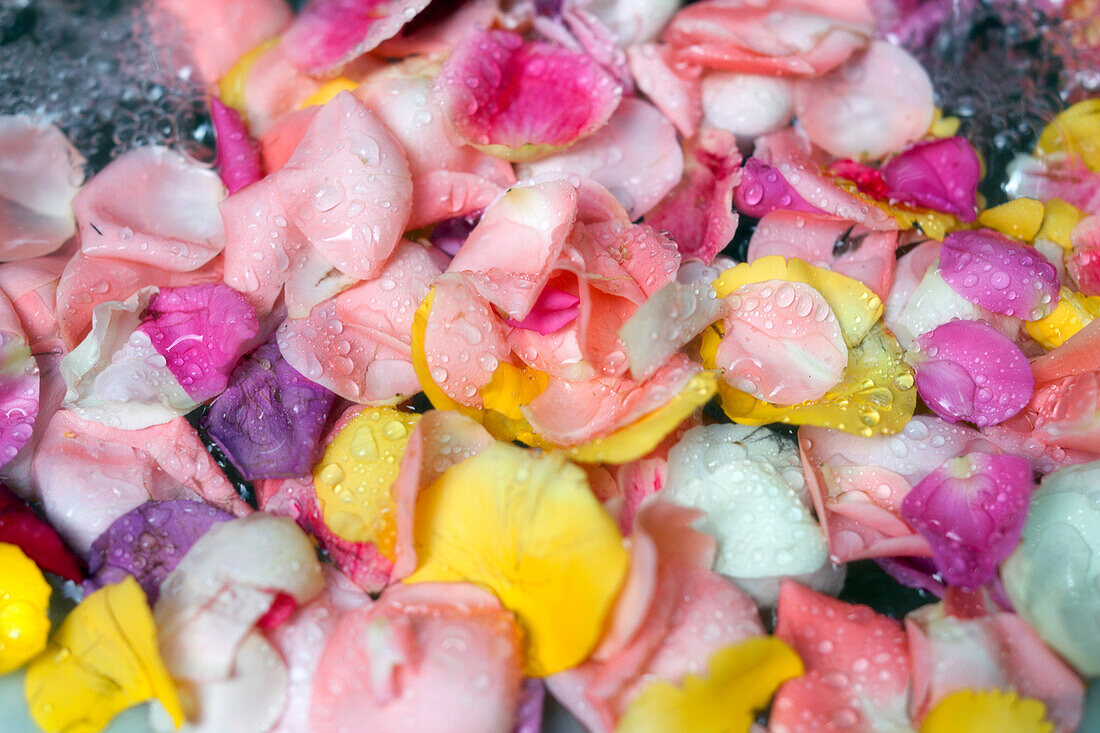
633, 21
1068, 412
311, 280
439, 28
966, 370
90, 474
879, 102
522, 98
442, 195
999, 274
1018, 436
508, 256
782, 342
358, 343
347, 187
673, 88
152, 206
278, 141
747, 105
239, 161
698, 214
397, 663
772, 37
40, 172
910, 270
1055, 177
31, 285
636, 156
328, 33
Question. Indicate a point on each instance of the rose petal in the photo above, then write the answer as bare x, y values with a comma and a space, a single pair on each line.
747, 105
937, 174
20, 526
763, 190
673, 89
19, 384
999, 274
238, 160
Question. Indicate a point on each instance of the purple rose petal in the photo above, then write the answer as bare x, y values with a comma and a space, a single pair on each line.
201, 331
269, 420
972, 511
913, 572
238, 159
19, 394
999, 274
763, 190
529, 715
449, 235
554, 310
148, 542
937, 174
967, 370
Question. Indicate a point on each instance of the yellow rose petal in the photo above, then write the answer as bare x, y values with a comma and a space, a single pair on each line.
1020, 218
855, 305
102, 660
1058, 223
875, 395
944, 126
1074, 312
512, 387
354, 478
991, 711
526, 525
741, 680
231, 86
24, 600
432, 391
1075, 131
329, 90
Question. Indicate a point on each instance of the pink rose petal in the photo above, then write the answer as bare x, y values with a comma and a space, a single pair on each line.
238, 160
521, 97
674, 88
553, 310
19, 384
763, 190
999, 274
1048, 178
972, 511
966, 370
936, 174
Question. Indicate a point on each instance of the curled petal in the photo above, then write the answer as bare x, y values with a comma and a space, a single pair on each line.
238, 160
876, 104
937, 174
41, 172
552, 311
971, 510
518, 99
328, 33
152, 206
673, 89
966, 370
1000, 275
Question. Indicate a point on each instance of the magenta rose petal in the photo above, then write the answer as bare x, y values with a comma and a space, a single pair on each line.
269, 419
554, 310
763, 190
937, 174
238, 159
1000, 275
329, 33
19, 395
201, 331
518, 99
148, 542
972, 511
967, 370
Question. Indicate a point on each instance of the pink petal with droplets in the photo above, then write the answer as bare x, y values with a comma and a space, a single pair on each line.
782, 342
971, 510
508, 256
635, 155
673, 88
238, 159
439, 28
152, 206
829, 242
698, 214
90, 474
763, 190
966, 370
442, 195
1048, 178
39, 175
936, 174
999, 274
773, 37
347, 187
328, 33
672, 615
910, 270
1018, 436
498, 90
357, 344
31, 285
998, 651
553, 310
879, 102
1068, 412
19, 385
394, 663
1083, 263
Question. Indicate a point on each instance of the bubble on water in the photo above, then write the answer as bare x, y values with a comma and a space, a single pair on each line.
98, 71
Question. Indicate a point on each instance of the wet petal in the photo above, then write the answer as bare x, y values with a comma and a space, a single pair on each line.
967, 710
763, 190
326, 34
20, 384
24, 625
518, 99
1074, 131
20, 526
999, 274
101, 661
748, 105
938, 174
528, 527
673, 89
238, 160
966, 370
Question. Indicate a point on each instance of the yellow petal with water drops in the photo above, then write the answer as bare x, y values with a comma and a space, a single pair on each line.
640, 437
231, 86
103, 660
24, 601
1074, 312
855, 305
329, 90
354, 478
740, 680
1075, 131
1059, 220
512, 387
1020, 218
432, 391
875, 396
987, 711
526, 525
